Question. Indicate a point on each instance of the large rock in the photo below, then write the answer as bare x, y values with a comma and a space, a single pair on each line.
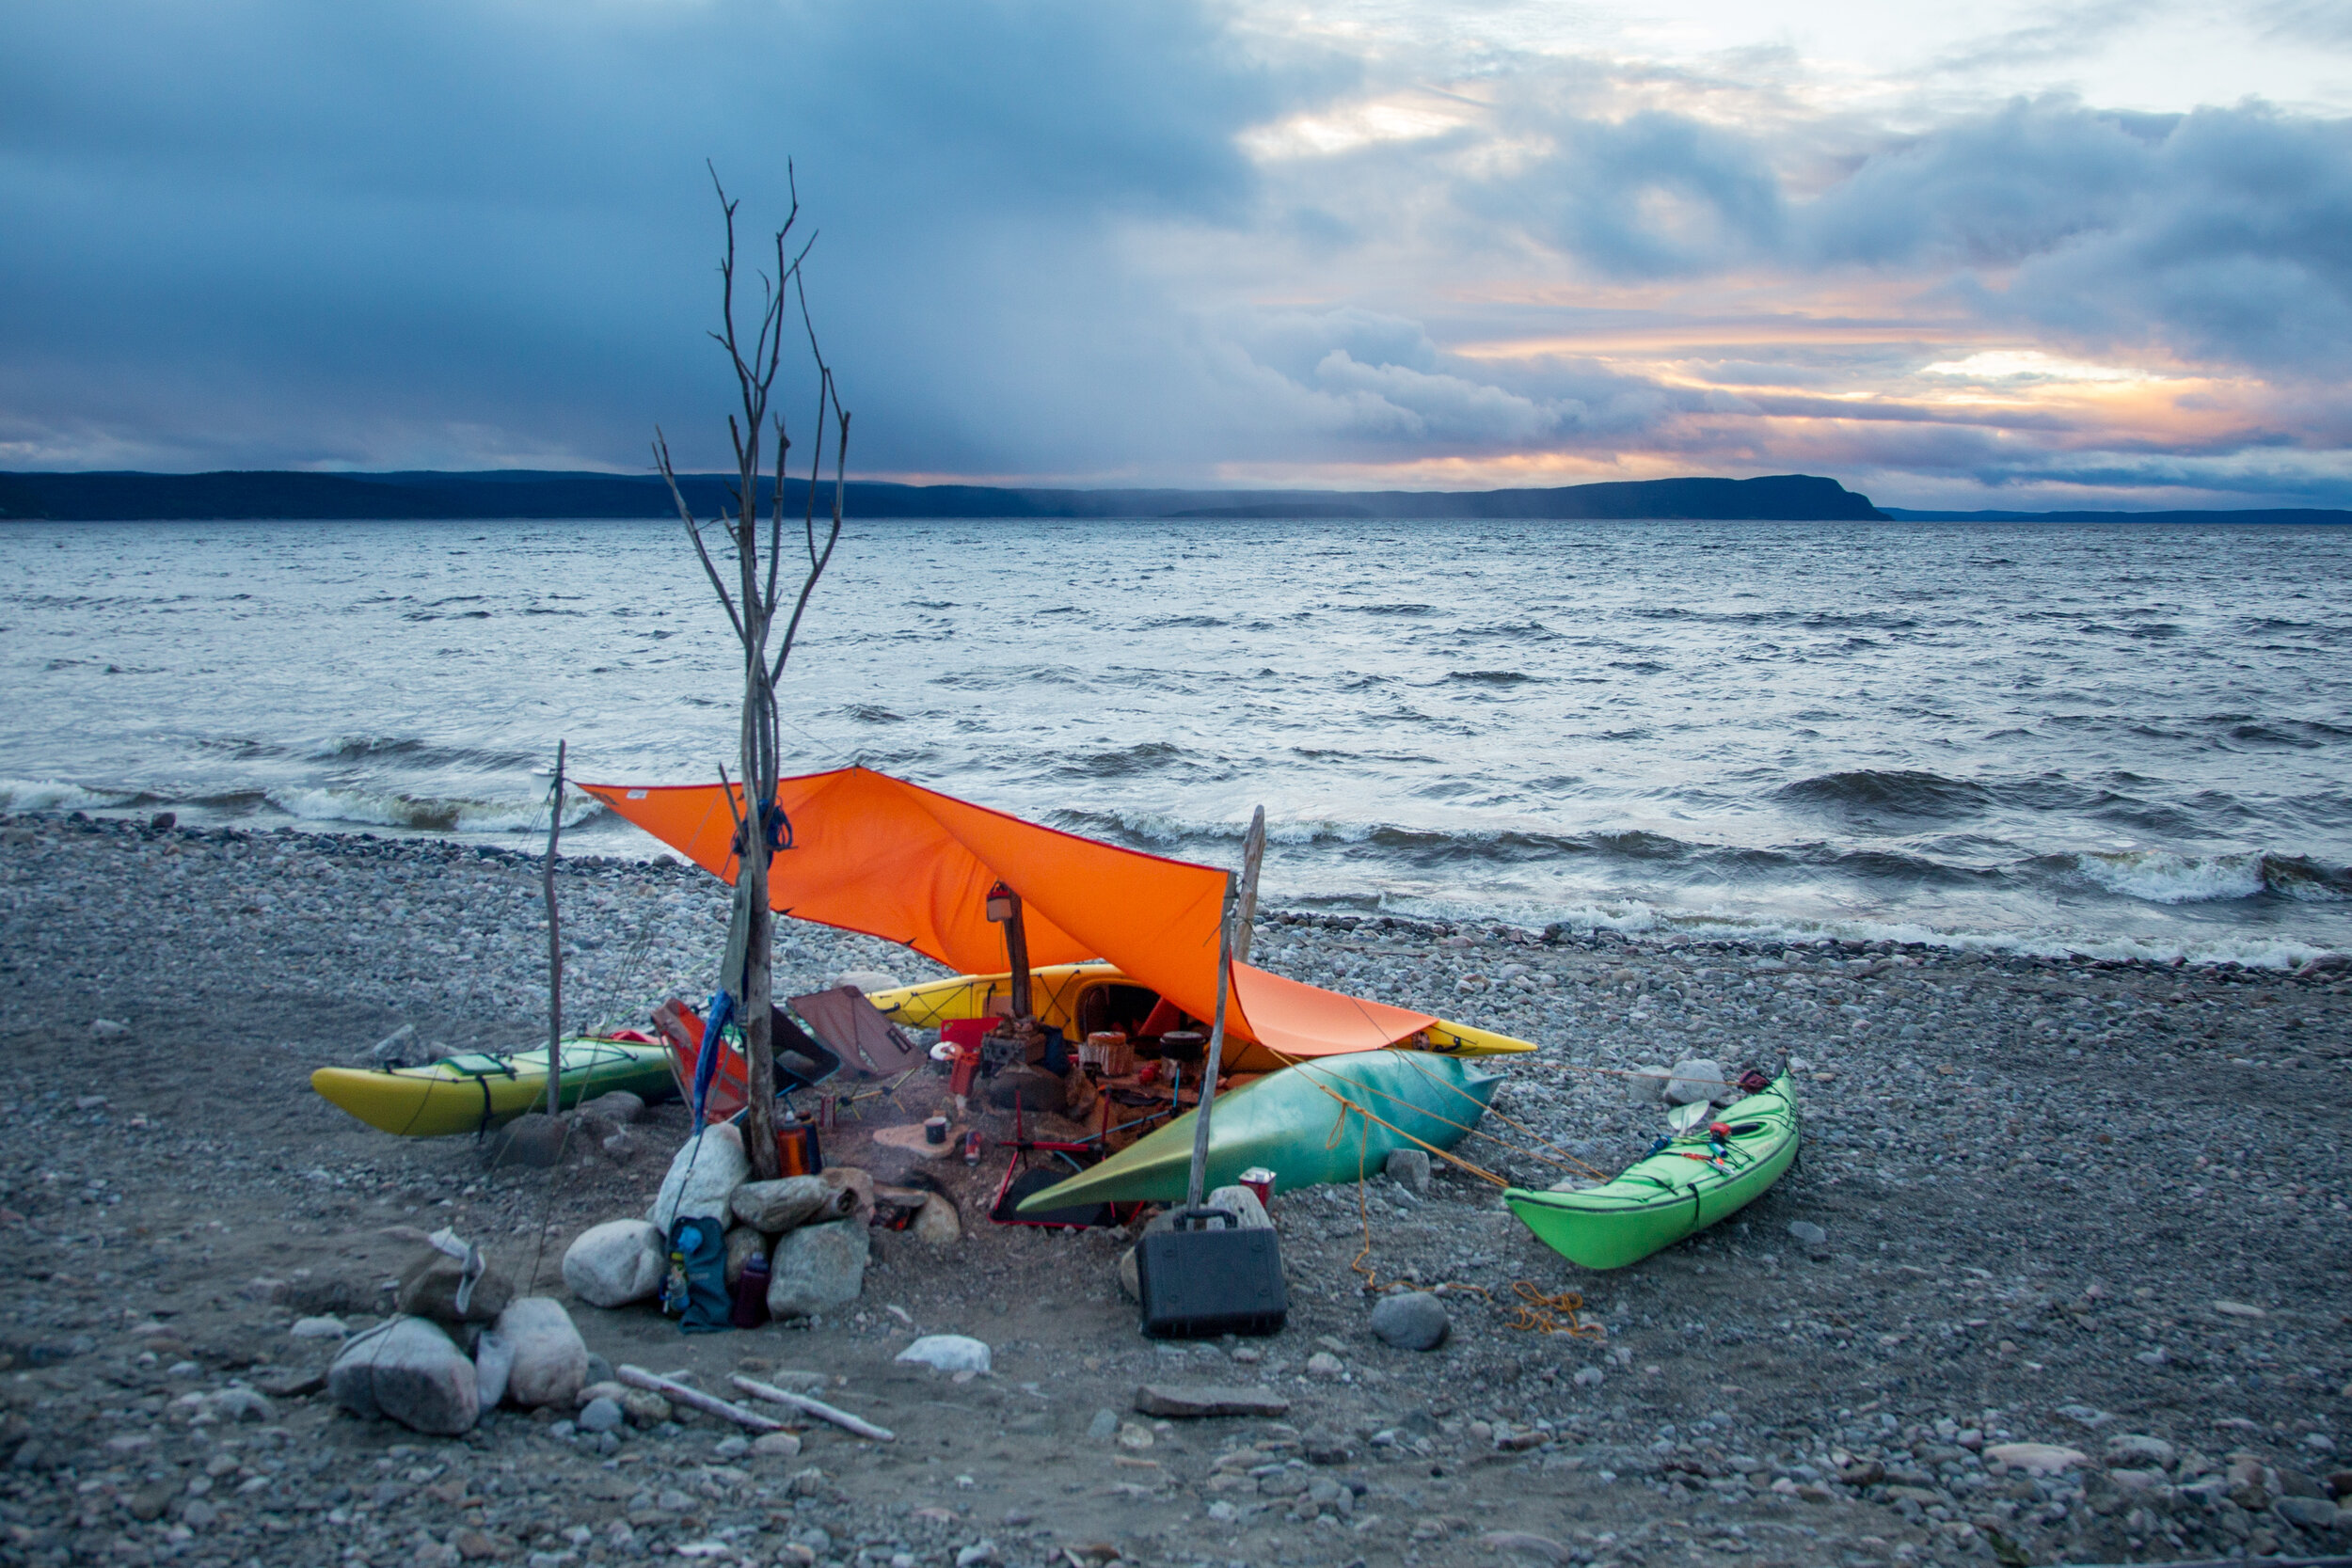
815, 1269
535, 1138
2041, 1459
858, 1182
1242, 1204
550, 1358
703, 1175
1032, 1091
1698, 1079
776, 1207
409, 1370
1409, 1169
2134, 1448
431, 1282
743, 1244
615, 1263
1174, 1402
617, 1107
1412, 1320
1647, 1085
642, 1406
948, 1353
937, 1223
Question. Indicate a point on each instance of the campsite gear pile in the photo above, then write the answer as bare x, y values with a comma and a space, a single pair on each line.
462, 1344
711, 1229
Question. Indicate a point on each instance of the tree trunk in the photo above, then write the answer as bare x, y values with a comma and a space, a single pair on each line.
759, 1134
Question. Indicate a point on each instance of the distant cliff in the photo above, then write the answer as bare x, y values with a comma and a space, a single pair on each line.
222, 497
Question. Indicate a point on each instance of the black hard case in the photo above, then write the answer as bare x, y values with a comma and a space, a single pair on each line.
1197, 1282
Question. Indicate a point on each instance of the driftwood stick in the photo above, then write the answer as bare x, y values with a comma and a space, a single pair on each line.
817, 1408
710, 1404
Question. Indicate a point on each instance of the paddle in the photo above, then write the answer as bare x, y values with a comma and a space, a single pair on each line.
1233, 947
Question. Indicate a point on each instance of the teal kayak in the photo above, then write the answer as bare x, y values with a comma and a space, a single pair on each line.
1677, 1192
1304, 1123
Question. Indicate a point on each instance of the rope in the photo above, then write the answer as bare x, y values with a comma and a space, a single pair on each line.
1564, 1160
1540, 1313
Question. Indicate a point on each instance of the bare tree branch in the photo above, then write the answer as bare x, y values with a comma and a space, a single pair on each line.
661, 457
751, 604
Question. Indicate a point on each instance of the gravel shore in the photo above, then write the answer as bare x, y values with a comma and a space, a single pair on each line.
2094, 1205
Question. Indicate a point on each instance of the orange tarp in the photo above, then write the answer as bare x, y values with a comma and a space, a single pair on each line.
876, 854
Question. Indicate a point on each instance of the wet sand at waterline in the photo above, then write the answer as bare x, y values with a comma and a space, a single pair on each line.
2060, 1201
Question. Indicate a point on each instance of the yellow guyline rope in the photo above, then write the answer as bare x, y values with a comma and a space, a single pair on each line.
1541, 1312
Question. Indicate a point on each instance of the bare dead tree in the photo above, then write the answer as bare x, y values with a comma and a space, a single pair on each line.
752, 605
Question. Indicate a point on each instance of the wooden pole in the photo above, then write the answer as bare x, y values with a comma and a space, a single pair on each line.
1017, 960
555, 945
1233, 942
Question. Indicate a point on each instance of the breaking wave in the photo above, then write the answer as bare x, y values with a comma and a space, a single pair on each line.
2165, 877
56, 795
426, 814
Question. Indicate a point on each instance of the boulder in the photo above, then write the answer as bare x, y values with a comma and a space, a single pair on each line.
743, 1244
617, 1107
1647, 1085
816, 1268
1411, 1320
535, 1138
430, 1286
550, 1358
2041, 1459
615, 1264
937, 1223
1699, 1079
2136, 1449
703, 1175
1241, 1203
856, 1181
947, 1353
600, 1414
409, 1370
399, 1048
1178, 1402
776, 1207
493, 1365
868, 980
1409, 1169
642, 1406
1039, 1092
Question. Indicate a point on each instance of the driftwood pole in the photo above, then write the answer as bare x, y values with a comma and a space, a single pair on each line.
753, 606
555, 945
1233, 946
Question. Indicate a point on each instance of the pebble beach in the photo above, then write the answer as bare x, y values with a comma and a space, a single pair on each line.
2095, 1206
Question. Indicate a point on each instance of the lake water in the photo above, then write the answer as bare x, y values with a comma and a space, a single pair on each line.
2118, 739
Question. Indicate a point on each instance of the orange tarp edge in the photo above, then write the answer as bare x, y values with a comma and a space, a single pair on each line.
879, 855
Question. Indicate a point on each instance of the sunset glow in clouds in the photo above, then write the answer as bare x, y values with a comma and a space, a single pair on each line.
1989, 255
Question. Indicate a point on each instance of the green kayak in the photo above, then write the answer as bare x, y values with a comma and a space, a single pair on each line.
1675, 1192
1293, 1122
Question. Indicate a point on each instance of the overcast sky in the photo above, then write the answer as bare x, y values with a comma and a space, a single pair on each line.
1979, 254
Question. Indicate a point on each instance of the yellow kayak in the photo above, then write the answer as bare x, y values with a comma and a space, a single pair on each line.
479, 1089
1080, 999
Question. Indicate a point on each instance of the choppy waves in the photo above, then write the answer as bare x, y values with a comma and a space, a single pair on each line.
2122, 741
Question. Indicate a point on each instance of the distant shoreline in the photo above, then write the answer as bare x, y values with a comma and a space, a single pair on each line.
422, 497
522, 495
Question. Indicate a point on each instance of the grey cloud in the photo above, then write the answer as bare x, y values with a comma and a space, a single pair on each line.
1650, 193
276, 233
